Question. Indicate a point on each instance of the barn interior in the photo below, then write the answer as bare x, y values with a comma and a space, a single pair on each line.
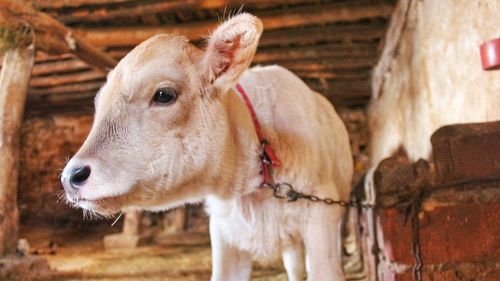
415, 81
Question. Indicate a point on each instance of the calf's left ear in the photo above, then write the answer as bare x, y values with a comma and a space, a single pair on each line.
230, 50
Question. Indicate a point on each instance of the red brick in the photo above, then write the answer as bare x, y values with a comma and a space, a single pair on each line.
492, 275
429, 276
455, 233
465, 151
454, 273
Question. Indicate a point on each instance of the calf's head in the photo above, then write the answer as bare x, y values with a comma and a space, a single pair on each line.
160, 122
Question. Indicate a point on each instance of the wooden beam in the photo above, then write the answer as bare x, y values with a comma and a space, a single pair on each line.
329, 33
73, 88
326, 13
315, 52
148, 8
340, 89
58, 4
294, 17
391, 44
44, 57
70, 103
343, 74
330, 64
56, 80
62, 66
343, 93
14, 78
107, 13
51, 36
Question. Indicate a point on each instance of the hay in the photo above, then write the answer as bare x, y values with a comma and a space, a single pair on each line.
15, 35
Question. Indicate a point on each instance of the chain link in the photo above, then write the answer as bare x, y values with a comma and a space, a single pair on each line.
287, 191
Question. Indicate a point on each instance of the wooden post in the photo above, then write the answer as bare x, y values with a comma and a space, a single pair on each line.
133, 234
174, 222
132, 222
14, 80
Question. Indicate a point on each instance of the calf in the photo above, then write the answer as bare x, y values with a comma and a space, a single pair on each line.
171, 129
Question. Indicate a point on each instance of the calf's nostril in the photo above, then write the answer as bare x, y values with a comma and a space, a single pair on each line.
79, 175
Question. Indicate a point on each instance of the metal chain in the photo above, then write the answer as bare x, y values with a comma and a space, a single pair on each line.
415, 226
286, 191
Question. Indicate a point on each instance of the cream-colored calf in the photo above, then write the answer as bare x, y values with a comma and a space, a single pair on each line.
170, 129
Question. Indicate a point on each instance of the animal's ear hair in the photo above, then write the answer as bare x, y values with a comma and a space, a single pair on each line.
230, 50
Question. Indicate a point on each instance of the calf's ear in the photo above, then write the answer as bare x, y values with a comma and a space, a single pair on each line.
230, 51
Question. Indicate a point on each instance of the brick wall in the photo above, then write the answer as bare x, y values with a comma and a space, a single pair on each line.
458, 224
46, 145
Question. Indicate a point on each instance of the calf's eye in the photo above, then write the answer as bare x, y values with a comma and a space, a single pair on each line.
164, 96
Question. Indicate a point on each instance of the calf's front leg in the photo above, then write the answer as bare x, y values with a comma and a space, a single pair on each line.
228, 262
294, 262
322, 237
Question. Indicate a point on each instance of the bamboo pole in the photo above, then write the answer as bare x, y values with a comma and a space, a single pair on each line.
14, 79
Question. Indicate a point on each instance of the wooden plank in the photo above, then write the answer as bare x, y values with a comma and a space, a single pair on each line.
66, 103
107, 13
330, 64
326, 13
344, 74
58, 4
315, 52
62, 66
55, 80
341, 89
14, 79
152, 6
294, 17
44, 57
329, 33
73, 88
343, 93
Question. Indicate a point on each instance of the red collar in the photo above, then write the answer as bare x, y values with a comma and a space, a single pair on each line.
267, 156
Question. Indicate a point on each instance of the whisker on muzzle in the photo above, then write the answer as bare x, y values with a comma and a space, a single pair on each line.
117, 218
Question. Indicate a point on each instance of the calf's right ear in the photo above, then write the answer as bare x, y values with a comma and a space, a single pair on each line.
230, 51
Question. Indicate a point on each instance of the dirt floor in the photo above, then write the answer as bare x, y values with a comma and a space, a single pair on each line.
78, 254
